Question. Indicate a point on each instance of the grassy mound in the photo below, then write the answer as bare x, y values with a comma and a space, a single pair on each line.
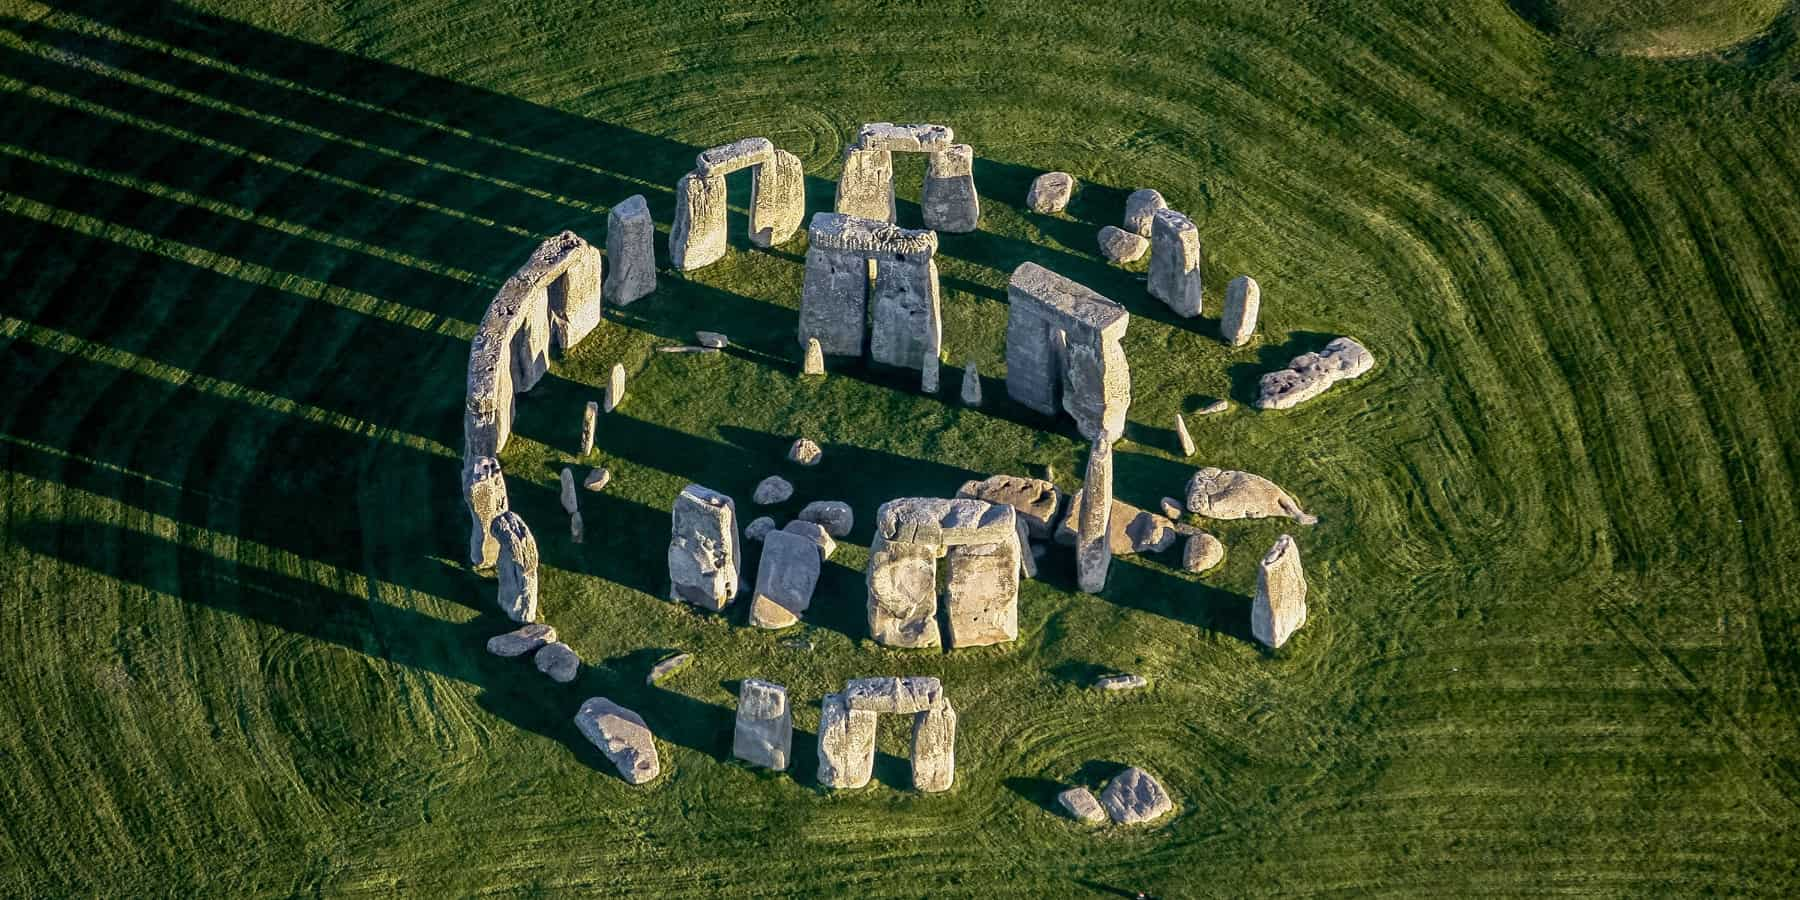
1653, 27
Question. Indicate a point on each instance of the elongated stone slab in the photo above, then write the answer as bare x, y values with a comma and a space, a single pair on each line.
949, 201
764, 733
704, 558
1229, 494
889, 694
1243, 300
785, 579
934, 748
846, 743
905, 138
1280, 605
518, 560
739, 154
1312, 374
630, 251
622, 735
484, 492
697, 236
1175, 262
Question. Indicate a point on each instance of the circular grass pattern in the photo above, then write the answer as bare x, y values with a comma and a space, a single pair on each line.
1653, 28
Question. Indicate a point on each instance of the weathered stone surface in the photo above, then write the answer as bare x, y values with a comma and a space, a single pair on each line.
1134, 796
597, 479
484, 492
850, 259
1215, 407
814, 532
934, 748
1311, 374
622, 735
773, 489
759, 528
846, 743
1122, 683
805, 452
785, 579
971, 385
1280, 605
577, 529
668, 667
521, 641
630, 251
704, 558
777, 200
764, 735
697, 236
615, 387
559, 661
711, 339
907, 320
739, 154
1093, 549
1229, 494
1081, 806
1243, 300
981, 593
566, 491
1050, 193
590, 420
928, 374
1140, 208
1062, 344
866, 186
1037, 503
902, 606
1182, 438
814, 363
893, 695
518, 561
1201, 552
948, 201
1121, 246
574, 299
905, 138
1129, 529
1171, 508
1175, 262
835, 515
982, 584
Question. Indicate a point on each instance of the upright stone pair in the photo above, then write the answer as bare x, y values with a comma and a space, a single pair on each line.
1062, 350
853, 260
949, 201
980, 544
847, 731
777, 201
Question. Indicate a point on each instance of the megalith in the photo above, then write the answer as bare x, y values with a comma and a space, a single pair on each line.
630, 251
847, 731
1050, 193
1093, 544
1175, 262
1280, 605
1140, 207
934, 748
777, 201
704, 558
853, 263
949, 201
622, 735
981, 593
785, 578
518, 560
1312, 374
846, 743
1243, 300
764, 734
1063, 351
1229, 494
484, 491
866, 187
697, 236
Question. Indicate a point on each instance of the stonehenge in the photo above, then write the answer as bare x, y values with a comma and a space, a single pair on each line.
704, 557
948, 201
1093, 544
1175, 262
622, 735
1062, 348
484, 492
847, 723
1050, 193
764, 732
814, 532
785, 578
1243, 300
630, 251
1280, 605
979, 542
1121, 246
1135, 796
518, 555
1140, 207
777, 201
1312, 374
860, 269
1229, 494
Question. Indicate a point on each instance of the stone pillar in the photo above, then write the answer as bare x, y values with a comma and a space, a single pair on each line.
484, 490
704, 557
866, 187
764, 734
1280, 605
981, 592
1098, 380
903, 593
777, 200
934, 748
834, 301
1033, 372
575, 298
630, 251
518, 559
530, 351
1175, 262
1093, 549
697, 237
949, 200
908, 320
846, 743
590, 421
1243, 300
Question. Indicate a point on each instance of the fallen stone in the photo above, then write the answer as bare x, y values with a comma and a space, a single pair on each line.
698, 351
521, 641
484, 492
1215, 407
1228, 494
893, 695
971, 385
846, 743
1130, 530
764, 734
1140, 208
1312, 374
668, 667
704, 559
1171, 508
1134, 796
1081, 806
622, 735
759, 528
934, 748
1201, 552
1280, 605
1243, 299
814, 532
1182, 438
577, 529
566, 491
597, 479
615, 387
590, 420
558, 660
711, 339
1121, 246
815, 358
1122, 683
1175, 262
773, 489
805, 452
630, 252
785, 579
518, 558
835, 515
1050, 193
1038, 503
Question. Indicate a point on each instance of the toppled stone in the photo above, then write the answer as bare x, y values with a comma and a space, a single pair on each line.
615, 387
1185, 440
948, 202
1081, 806
1175, 262
1171, 508
1312, 374
1215, 407
521, 641
1134, 796
1122, 683
773, 489
1038, 503
759, 528
558, 660
566, 491
846, 743
704, 558
518, 560
764, 734
835, 515
630, 251
590, 421
668, 667
622, 735
1201, 552
905, 138
785, 579
805, 452
814, 532
484, 492
1050, 193
1093, 549
1130, 530
1280, 605
1140, 208
934, 748
711, 339
814, 363
893, 695
1243, 299
597, 479
577, 529
1229, 494
1121, 246
971, 385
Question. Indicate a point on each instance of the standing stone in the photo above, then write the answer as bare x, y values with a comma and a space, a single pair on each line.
777, 200
805, 452
764, 735
518, 568
1140, 207
934, 748
1093, 547
846, 743
570, 504
1202, 552
1063, 350
815, 358
903, 599
1134, 796
615, 387
559, 661
484, 491
1181, 435
521, 641
577, 531
1081, 806
835, 515
1175, 262
1243, 299
590, 422
1280, 606
1311, 374
1121, 246
1050, 193
971, 385
697, 236
622, 735
630, 251
773, 489
785, 579
907, 320
1027, 559
1215, 407
704, 557
866, 187
948, 201
981, 592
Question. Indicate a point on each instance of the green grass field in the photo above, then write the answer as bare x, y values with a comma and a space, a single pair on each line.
1554, 642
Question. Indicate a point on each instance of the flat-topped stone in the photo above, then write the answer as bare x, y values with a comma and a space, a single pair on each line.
764, 732
1050, 193
930, 520
785, 579
704, 559
1312, 374
837, 231
846, 743
630, 251
893, 695
622, 735
1279, 608
1080, 804
521, 641
1135, 796
739, 154
1121, 246
1067, 297
1037, 502
905, 138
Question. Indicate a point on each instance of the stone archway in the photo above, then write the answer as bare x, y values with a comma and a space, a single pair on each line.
777, 201
866, 187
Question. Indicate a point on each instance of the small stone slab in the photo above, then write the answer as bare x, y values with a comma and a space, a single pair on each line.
668, 667
1122, 683
1140, 210
566, 491
805, 452
1202, 552
711, 339
1080, 804
559, 661
615, 387
971, 385
773, 489
1121, 246
597, 479
1135, 796
521, 641
1037, 502
835, 515
814, 362
814, 532
1215, 407
622, 735
1050, 193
